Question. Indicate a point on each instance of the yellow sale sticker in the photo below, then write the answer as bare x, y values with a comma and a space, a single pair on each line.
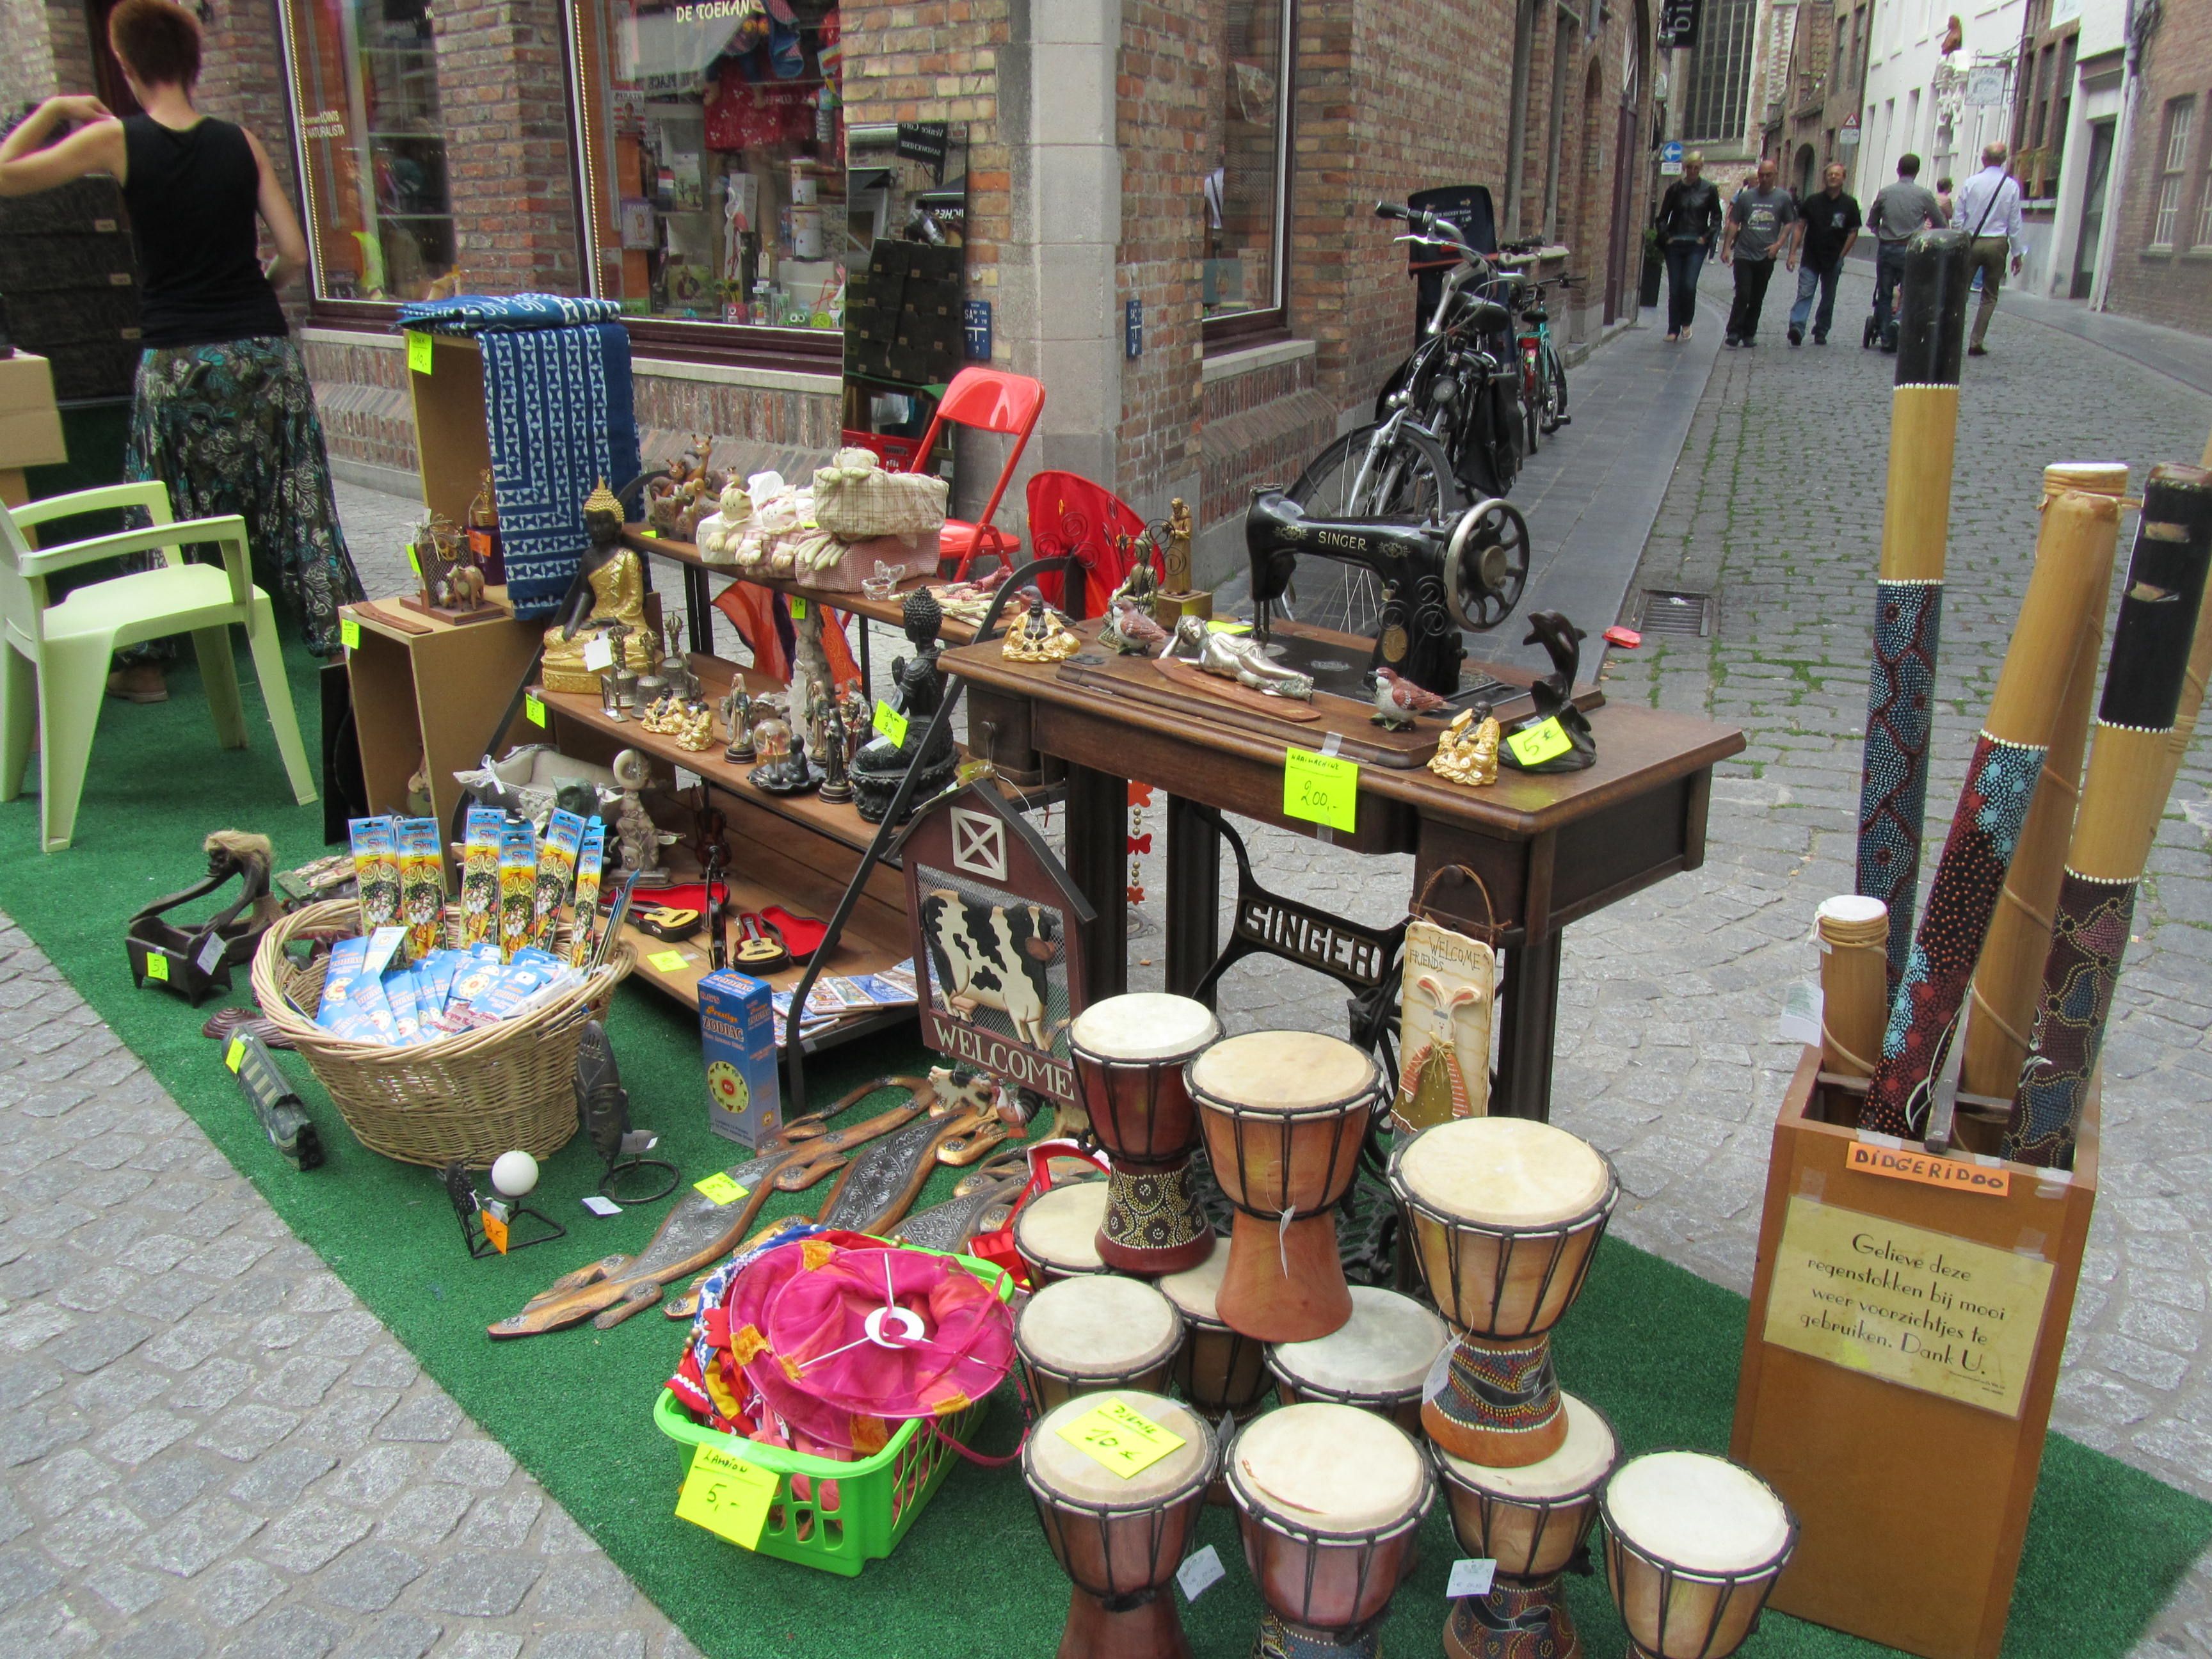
349, 632
418, 352
157, 967
720, 1189
413, 563
1537, 744
669, 961
234, 1055
797, 610
495, 1230
727, 1495
533, 710
1120, 1437
889, 721
1321, 788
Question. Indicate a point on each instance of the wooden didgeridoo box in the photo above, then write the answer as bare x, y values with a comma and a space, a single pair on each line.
1912, 1504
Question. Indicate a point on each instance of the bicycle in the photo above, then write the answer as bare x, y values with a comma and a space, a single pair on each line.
1543, 373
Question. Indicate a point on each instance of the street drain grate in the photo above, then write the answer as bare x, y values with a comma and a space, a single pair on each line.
1666, 611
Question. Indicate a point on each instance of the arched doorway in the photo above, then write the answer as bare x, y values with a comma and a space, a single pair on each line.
1806, 162
1587, 176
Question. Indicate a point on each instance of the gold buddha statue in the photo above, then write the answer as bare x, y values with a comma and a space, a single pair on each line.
608, 590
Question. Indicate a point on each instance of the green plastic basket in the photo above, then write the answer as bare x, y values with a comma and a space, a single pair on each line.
877, 1497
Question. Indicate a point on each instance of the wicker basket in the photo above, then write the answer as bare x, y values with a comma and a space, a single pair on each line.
500, 1088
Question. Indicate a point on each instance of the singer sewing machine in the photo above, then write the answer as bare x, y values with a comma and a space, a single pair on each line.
1437, 579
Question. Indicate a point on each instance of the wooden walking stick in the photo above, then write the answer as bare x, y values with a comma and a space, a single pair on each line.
2011, 970
2131, 767
2001, 779
1916, 523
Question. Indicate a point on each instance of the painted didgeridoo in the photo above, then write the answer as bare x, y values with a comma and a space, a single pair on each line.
2122, 797
1994, 1045
1915, 526
2000, 779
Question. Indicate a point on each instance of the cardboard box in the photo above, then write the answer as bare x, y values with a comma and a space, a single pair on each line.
30, 425
736, 1033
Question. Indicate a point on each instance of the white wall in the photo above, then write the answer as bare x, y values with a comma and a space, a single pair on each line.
1901, 110
2049, 266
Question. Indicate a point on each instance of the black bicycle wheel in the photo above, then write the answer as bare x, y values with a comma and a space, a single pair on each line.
1414, 483
1555, 391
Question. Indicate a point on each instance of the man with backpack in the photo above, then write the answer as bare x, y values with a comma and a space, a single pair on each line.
1989, 207
1900, 211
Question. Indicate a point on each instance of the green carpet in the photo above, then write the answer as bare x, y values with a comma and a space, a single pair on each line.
1652, 1345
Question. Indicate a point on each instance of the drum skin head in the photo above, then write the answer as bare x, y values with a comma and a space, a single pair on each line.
1101, 1325
1328, 1469
1283, 1071
1194, 1290
1697, 1513
1144, 1025
1504, 1171
1073, 1474
1059, 1228
1578, 1465
1386, 1348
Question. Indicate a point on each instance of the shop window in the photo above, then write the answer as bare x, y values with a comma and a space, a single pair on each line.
372, 148
2173, 172
1245, 192
712, 157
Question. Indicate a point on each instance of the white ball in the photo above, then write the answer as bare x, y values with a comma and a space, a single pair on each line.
514, 1174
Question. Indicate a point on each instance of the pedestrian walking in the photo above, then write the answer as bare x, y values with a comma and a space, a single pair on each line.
1900, 211
1827, 225
1758, 220
1689, 217
1944, 203
1990, 204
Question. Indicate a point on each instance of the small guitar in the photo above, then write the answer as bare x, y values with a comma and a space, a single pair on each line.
667, 921
758, 950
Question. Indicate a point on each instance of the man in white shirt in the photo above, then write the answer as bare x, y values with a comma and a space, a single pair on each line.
1989, 211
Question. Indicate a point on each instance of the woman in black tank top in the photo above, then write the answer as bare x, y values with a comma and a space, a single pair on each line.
221, 411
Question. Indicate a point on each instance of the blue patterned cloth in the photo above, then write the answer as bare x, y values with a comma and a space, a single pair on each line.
559, 412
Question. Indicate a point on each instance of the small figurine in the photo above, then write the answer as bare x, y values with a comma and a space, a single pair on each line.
1467, 752
881, 764
789, 772
835, 785
664, 716
1142, 585
1130, 628
1040, 634
1244, 661
635, 833
738, 714
694, 726
608, 590
1553, 696
1398, 700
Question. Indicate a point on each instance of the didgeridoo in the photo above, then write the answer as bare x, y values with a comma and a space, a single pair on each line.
2122, 797
2011, 974
1924, 1014
1916, 527
1854, 982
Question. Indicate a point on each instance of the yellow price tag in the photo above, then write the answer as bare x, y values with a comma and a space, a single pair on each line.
669, 961
533, 710
720, 1189
413, 562
1120, 1437
889, 721
728, 1496
1212, 627
650, 535
418, 352
1321, 788
1537, 744
349, 632
157, 967
495, 1230
234, 1055
797, 610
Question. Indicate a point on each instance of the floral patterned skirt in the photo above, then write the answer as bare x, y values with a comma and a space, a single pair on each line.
232, 428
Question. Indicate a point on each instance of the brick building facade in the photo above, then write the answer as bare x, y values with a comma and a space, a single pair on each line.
1091, 126
2160, 268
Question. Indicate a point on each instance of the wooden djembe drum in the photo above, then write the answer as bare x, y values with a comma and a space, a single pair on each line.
1504, 1214
1129, 1053
1083, 1336
1056, 1232
1376, 1360
1283, 1113
1692, 1547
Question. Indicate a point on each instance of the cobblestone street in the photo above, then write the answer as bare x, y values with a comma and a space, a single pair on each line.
274, 1475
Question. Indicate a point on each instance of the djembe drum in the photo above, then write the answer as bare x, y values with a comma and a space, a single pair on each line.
1532, 1521
1376, 1360
1218, 1369
1129, 1053
1504, 1214
1328, 1501
1120, 1537
1692, 1547
1056, 1232
1283, 1113
1101, 1332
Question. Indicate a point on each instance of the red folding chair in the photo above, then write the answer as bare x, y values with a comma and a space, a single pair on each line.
987, 400
1068, 513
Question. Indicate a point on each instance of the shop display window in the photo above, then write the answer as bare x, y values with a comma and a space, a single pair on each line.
1247, 191
713, 149
373, 148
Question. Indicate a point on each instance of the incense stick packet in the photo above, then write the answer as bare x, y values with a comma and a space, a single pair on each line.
398, 988
480, 874
376, 870
434, 977
346, 958
556, 874
589, 863
518, 882
366, 1015
421, 885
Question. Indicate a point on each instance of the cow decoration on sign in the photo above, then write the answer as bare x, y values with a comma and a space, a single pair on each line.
998, 934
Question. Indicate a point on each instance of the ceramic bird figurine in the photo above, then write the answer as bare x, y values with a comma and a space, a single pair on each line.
1398, 699
1133, 633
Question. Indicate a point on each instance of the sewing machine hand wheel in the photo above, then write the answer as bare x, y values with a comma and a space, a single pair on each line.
1486, 566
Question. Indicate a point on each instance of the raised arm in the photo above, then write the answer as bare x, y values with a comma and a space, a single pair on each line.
95, 147
275, 208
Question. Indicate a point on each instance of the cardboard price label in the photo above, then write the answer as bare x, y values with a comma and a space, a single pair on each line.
349, 632
727, 1496
1470, 1577
418, 352
1321, 789
1903, 1164
495, 1229
599, 653
234, 1055
889, 721
533, 711
1120, 1438
797, 610
157, 967
720, 1189
669, 961
1534, 744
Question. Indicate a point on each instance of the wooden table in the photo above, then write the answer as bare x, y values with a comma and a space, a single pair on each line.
1550, 849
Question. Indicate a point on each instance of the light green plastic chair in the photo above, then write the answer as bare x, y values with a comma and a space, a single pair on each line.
56, 663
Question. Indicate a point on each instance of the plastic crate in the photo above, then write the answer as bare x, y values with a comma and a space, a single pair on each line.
877, 1497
